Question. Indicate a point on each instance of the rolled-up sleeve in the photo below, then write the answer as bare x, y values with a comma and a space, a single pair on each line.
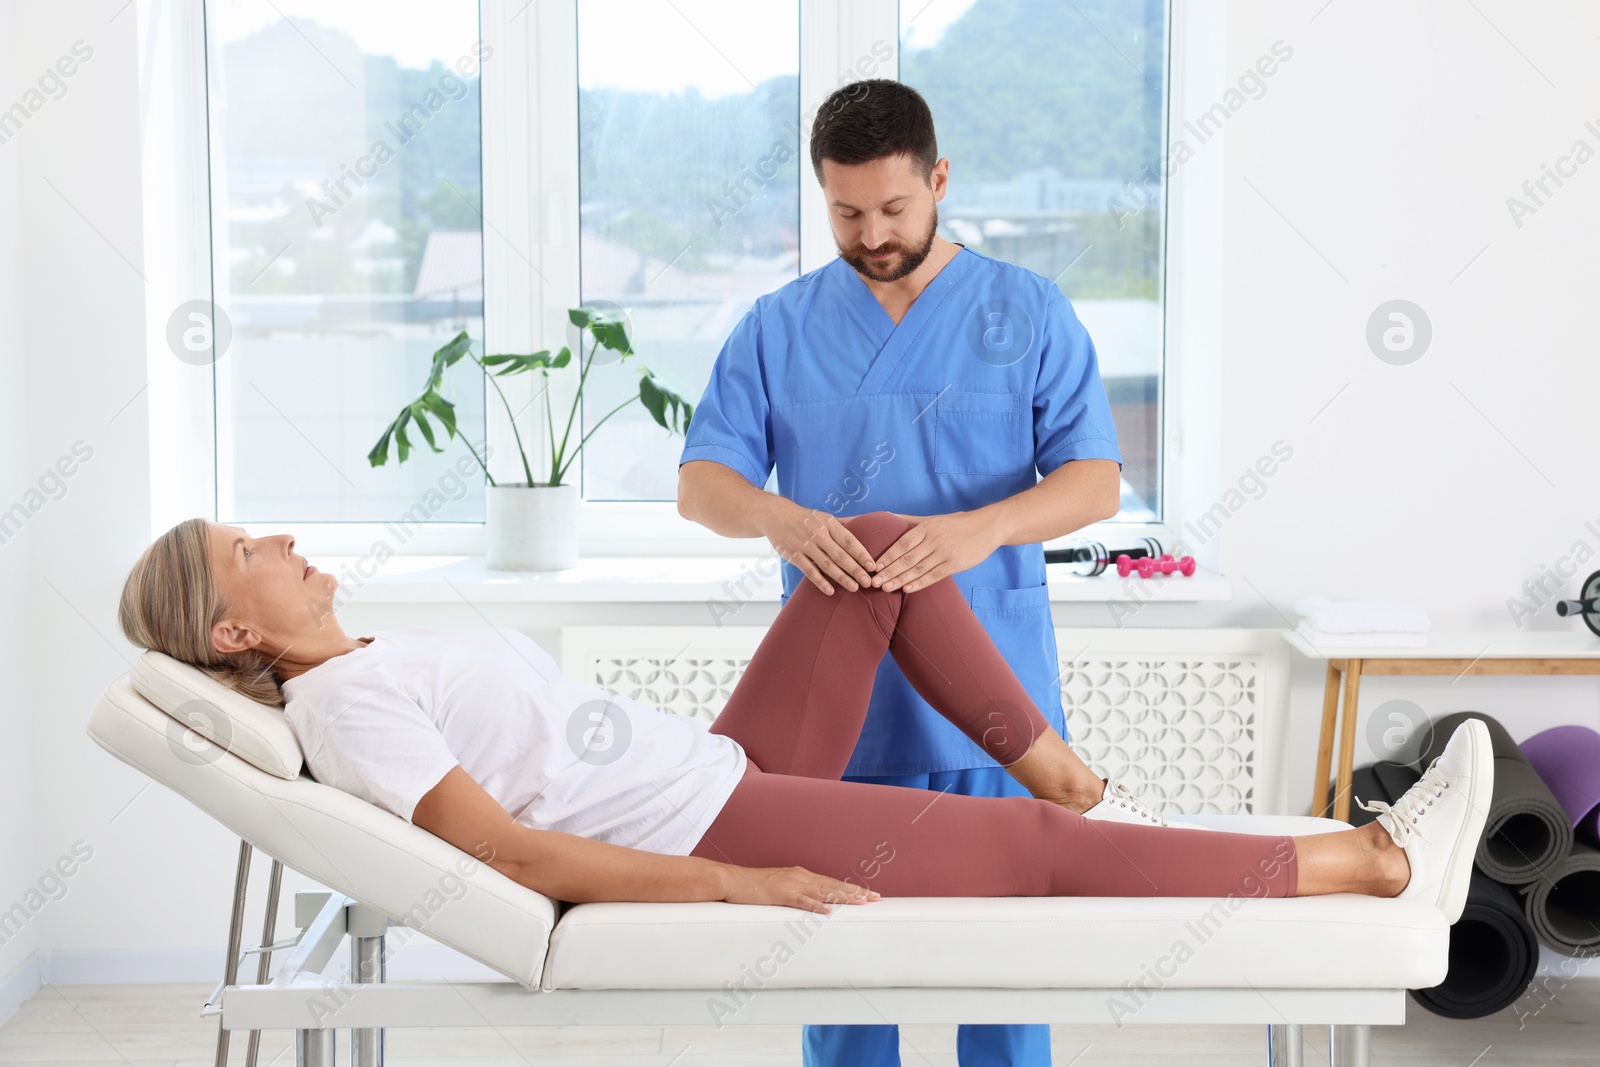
1071, 415
732, 424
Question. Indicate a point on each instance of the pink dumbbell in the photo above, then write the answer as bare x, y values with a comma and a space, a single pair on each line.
1166, 565
1149, 568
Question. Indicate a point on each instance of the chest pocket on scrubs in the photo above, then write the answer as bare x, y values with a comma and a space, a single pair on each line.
980, 433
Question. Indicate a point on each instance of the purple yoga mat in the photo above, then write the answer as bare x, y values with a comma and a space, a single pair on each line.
1567, 758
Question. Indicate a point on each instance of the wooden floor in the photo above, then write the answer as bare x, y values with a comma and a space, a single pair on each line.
148, 1025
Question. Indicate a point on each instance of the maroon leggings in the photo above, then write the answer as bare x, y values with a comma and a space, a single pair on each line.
798, 710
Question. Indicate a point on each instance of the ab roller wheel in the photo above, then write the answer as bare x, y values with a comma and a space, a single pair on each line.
1588, 604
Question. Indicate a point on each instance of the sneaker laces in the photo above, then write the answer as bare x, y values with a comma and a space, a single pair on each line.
1405, 815
1120, 796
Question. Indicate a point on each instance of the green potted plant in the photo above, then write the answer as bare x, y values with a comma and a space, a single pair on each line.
533, 525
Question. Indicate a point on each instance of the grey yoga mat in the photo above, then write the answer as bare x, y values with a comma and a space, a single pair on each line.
1493, 950
1564, 903
1527, 832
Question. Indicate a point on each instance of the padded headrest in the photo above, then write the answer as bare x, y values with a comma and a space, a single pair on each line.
256, 733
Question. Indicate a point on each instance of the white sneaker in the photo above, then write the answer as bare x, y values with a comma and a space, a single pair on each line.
1118, 804
1439, 819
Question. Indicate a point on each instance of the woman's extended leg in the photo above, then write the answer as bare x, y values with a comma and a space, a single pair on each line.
911, 842
800, 704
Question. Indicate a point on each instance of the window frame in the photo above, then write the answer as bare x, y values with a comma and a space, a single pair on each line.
531, 264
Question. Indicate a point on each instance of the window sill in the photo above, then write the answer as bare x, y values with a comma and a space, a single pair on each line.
681, 579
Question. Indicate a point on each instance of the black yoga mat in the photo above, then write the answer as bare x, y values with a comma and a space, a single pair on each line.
1493, 949
1564, 903
1493, 955
1527, 832
1379, 781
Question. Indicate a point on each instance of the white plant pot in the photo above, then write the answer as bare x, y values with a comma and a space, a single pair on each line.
532, 528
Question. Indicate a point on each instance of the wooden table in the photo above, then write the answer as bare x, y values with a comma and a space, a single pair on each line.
1545, 652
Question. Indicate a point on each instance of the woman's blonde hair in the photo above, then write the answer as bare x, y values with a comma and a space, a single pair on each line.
170, 603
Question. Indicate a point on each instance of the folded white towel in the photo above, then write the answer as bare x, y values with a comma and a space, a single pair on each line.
1361, 616
1369, 639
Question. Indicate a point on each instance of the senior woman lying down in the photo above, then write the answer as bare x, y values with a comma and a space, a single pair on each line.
475, 736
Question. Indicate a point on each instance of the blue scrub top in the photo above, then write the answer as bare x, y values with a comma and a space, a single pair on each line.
988, 376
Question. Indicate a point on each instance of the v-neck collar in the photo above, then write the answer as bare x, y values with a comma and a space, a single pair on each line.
890, 339
871, 314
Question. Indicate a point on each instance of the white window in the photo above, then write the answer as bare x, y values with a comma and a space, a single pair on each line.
689, 150
347, 246
1056, 164
632, 154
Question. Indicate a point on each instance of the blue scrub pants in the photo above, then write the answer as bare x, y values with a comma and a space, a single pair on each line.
1011, 1045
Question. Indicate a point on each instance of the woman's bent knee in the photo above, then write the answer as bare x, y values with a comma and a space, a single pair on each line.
877, 530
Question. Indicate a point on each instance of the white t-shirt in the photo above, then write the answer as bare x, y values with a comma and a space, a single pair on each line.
387, 721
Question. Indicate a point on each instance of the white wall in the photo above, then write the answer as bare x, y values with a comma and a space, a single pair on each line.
18, 856
1389, 141
77, 244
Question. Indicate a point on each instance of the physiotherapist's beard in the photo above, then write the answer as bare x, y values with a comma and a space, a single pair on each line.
910, 258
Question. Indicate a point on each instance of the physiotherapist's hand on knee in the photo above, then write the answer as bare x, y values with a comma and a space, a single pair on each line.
818, 543
935, 547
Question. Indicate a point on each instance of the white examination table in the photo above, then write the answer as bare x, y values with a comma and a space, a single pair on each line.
1344, 961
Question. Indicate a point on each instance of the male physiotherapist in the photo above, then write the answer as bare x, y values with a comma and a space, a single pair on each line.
916, 376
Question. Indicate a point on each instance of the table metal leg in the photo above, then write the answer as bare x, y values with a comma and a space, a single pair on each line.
314, 1048
1347, 742
269, 934
1330, 717
1350, 1045
230, 970
366, 965
1286, 1045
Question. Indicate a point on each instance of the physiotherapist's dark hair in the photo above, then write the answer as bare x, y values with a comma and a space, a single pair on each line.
872, 119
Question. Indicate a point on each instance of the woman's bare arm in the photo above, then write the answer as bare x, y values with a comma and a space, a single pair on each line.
571, 868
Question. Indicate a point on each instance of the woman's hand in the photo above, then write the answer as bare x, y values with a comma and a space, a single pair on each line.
793, 887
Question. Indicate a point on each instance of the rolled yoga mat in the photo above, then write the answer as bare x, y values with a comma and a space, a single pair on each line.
1494, 952
1378, 781
1568, 759
1564, 903
1528, 831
